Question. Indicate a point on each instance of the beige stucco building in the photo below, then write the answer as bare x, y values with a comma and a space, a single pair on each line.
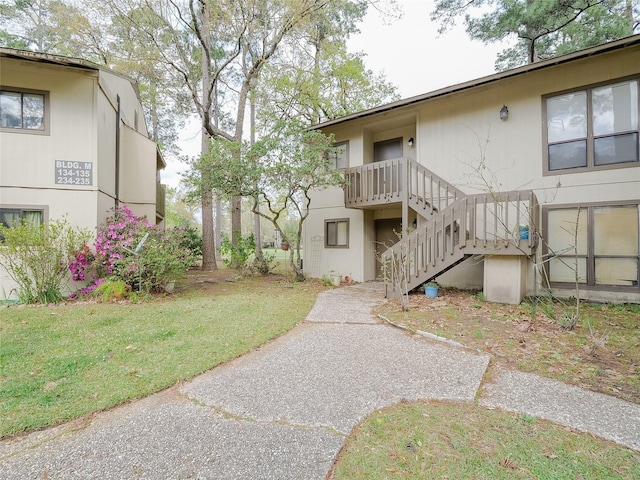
506, 183
73, 141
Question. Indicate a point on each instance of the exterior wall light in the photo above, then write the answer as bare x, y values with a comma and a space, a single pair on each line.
504, 113
411, 142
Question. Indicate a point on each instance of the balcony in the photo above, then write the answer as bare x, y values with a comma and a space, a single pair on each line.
160, 200
401, 180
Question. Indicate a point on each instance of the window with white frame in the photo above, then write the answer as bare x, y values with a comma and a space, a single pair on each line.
336, 233
24, 111
592, 128
597, 245
339, 155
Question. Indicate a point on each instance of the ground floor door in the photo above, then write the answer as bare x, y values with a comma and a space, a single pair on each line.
387, 234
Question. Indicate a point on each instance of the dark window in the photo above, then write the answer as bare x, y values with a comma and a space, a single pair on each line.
23, 110
336, 233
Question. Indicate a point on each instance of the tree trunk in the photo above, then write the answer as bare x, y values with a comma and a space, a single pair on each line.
257, 234
629, 13
236, 200
218, 227
208, 243
236, 219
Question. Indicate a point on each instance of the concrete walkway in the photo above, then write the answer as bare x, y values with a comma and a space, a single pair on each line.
284, 411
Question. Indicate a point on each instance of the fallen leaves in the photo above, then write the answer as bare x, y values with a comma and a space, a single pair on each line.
536, 344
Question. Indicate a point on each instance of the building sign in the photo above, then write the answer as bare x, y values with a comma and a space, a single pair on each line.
73, 173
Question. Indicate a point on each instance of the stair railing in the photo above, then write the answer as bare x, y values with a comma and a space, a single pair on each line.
492, 223
428, 192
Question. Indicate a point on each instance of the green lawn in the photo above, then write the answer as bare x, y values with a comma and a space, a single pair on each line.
58, 363
438, 441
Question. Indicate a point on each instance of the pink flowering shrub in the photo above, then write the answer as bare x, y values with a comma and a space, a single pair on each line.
161, 259
80, 262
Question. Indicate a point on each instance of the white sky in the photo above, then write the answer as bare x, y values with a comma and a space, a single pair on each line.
414, 57
408, 51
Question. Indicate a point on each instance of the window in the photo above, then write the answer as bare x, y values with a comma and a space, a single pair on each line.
340, 155
24, 111
336, 233
10, 217
602, 240
592, 128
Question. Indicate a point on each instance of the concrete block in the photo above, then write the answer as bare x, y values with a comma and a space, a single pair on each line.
505, 278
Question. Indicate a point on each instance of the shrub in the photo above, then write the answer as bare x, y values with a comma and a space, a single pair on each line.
162, 260
89, 289
263, 264
237, 257
192, 240
36, 258
80, 262
112, 290
143, 266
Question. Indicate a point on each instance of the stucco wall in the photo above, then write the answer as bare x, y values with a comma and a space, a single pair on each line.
106, 145
57, 204
28, 159
82, 126
319, 260
137, 169
458, 132
131, 112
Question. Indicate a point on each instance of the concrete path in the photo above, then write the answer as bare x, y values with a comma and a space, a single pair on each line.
284, 411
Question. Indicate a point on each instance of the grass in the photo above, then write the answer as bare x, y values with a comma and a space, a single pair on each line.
59, 363
431, 440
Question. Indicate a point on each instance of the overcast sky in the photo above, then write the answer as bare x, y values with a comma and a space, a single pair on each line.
408, 51
414, 57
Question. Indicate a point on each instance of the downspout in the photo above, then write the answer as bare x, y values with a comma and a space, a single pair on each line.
117, 193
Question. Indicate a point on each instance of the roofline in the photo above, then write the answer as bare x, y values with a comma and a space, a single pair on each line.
570, 57
61, 60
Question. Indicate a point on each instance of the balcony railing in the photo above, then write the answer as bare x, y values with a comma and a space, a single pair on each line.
398, 180
160, 200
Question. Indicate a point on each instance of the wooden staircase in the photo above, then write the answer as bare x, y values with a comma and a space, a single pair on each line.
453, 226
